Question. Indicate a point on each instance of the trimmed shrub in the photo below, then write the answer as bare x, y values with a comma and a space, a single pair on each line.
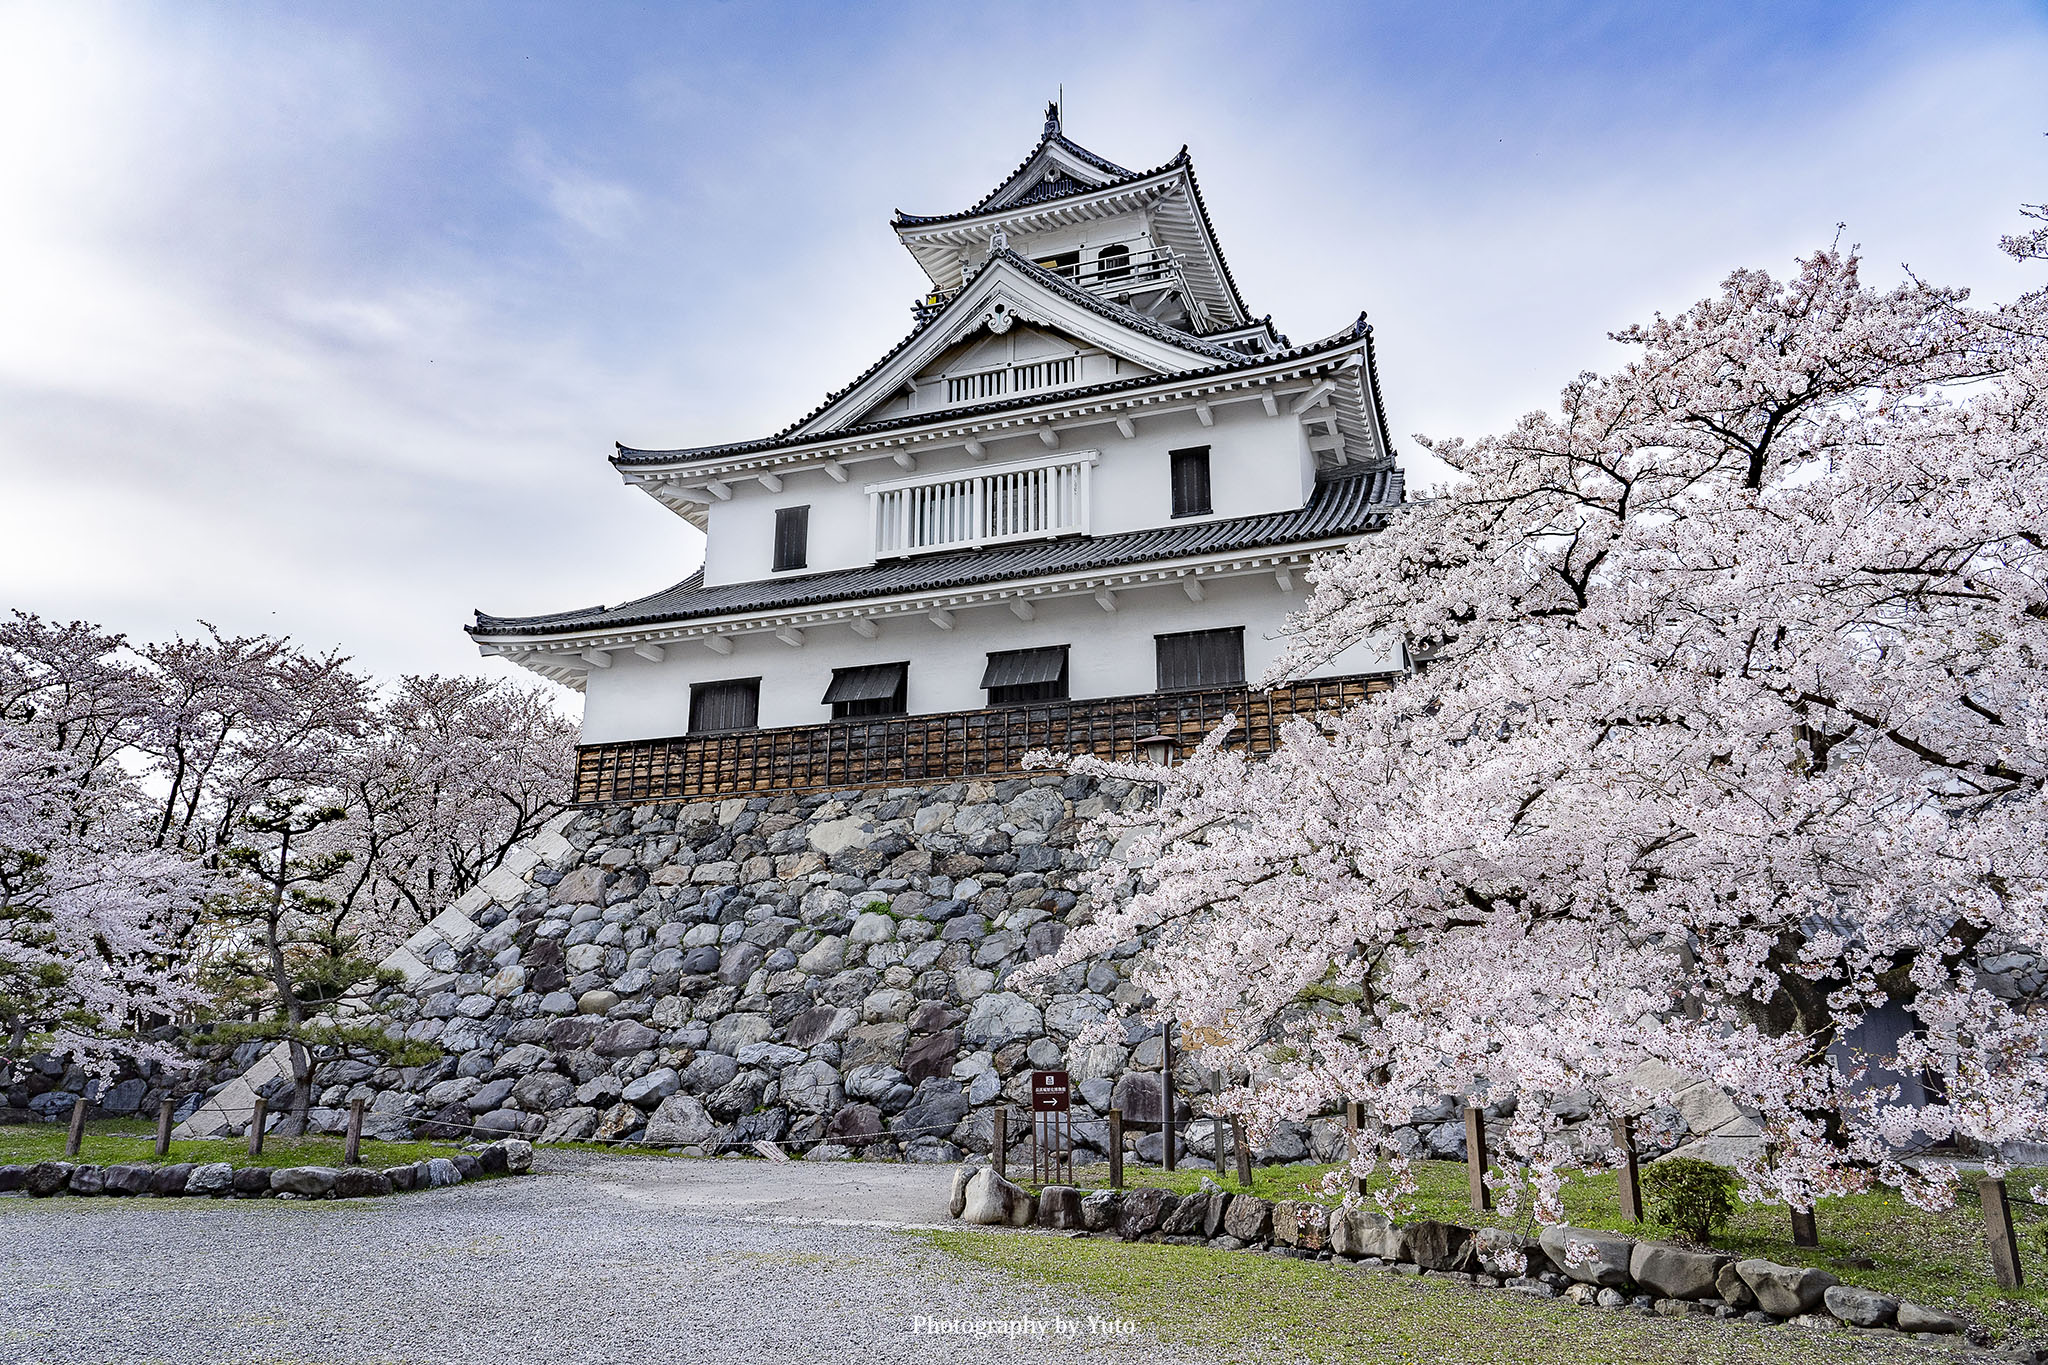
1689, 1196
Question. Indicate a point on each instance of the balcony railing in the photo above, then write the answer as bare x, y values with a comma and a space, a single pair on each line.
1113, 275
1034, 500
950, 746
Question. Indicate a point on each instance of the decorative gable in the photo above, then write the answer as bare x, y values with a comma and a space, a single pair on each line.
1054, 323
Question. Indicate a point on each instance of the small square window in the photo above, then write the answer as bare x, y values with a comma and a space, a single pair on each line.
1191, 482
1201, 658
731, 705
792, 538
1021, 675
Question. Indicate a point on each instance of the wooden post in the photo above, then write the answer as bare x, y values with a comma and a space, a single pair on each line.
163, 1130
1216, 1122
1001, 1151
352, 1146
258, 1116
2005, 1248
1475, 1158
1629, 1178
77, 1134
1354, 1119
1116, 1149
1805, 1232
1166, 1096
1244, 1151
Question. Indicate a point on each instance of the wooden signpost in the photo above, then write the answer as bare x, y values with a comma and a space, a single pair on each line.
163, 1130
1475, 1158
77, 1133
1052, 1129
1629, 1177
258, 1117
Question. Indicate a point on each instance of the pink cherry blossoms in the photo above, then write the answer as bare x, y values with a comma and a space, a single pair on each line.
1728, 730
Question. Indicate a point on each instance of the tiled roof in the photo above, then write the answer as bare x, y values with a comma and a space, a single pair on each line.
1230, 357
1052, 136
1351, 503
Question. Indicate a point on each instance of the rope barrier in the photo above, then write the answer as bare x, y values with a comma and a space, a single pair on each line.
746, 1144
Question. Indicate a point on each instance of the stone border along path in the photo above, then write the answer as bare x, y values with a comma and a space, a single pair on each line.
1593, 1269
223, 1180
600, 1259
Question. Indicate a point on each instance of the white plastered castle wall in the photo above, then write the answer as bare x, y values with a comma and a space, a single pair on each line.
1257, 464
1110, 654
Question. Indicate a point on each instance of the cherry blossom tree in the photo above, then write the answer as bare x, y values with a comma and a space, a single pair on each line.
129, 780
1728, 729
450, 774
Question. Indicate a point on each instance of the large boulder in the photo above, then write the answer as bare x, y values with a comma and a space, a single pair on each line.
360, 1182
11, 1178
857, 1125
313, 1182
681, 1121
441, 1172
1508, 1254
1730, 1289
1059, 1207
1001, 1018
1437, 1246
1603, 1258
709, 1072
214, 1177
936, 1106
958, 1202
650, 1090
1298, 1223
1672, 1272
128, 1179
1143, 1211
1188, 1218
543, 1091
1860, 1307
1248, 1219
812, 1088
570, 1125
931, 1056
1785, 1291
1362, 1232
88, 1180
46, 1178
623, 1037
518, 1155
1099, 1210
992, 1200
1913, 1318
252, 1182
168, 1182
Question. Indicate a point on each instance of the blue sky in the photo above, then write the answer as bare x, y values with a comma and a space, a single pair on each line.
322, 319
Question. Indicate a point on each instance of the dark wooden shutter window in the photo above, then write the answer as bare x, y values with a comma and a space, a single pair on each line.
1191, 482
792, 538
734, 705
1201, 658
868, 690
1020, 675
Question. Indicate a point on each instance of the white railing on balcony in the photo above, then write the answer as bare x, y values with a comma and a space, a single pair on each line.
1036, 374
1033, 499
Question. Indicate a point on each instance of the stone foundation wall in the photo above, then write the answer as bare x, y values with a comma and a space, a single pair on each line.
827, 970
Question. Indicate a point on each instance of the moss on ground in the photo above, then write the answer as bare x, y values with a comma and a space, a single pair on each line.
112, 1142
1877, 1241
1241, 1306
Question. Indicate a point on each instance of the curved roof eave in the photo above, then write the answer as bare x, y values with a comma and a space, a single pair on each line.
626, 456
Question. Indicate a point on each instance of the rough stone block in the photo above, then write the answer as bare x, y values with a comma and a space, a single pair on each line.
1785, 1291
1606, 1258
1674, 1272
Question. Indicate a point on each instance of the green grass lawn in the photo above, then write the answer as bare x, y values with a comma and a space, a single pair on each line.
1241, 1306
1877, 1241
111, 1142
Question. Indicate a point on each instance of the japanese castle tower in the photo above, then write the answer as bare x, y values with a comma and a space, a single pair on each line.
1070, 510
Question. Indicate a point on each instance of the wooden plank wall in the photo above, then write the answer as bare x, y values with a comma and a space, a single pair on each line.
949, 746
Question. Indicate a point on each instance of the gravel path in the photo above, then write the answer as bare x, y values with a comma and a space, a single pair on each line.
593, 1259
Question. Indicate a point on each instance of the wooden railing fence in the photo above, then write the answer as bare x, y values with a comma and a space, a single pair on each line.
947, 746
